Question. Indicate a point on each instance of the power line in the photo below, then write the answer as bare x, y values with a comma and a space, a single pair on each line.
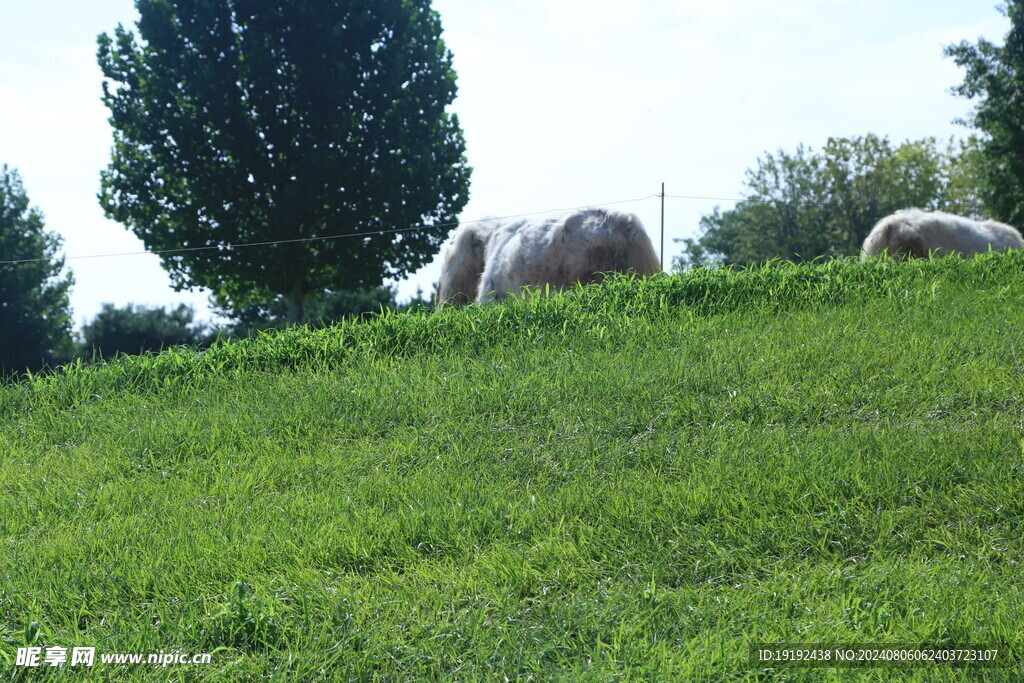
422, 226
716, 199
755, 200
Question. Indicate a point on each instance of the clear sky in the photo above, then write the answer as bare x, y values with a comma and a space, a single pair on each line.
564, 104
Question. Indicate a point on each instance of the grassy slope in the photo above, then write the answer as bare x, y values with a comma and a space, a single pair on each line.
638, 480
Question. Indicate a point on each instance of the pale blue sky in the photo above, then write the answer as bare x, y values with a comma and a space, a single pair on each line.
564, 104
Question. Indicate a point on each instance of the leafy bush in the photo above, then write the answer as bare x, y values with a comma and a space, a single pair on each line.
322, 310
138, 329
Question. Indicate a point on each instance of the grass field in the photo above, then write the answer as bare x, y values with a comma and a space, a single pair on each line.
635, 481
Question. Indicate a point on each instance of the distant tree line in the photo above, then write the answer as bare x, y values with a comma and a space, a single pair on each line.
136, 329
808, 204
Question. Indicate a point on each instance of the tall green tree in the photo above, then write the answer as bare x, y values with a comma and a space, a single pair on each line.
283, 120
35, 315
809, 204
994, 76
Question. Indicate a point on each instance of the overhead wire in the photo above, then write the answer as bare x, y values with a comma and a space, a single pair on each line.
421, 226
372, 233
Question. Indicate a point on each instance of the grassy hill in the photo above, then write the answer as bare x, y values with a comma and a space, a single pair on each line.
639, 480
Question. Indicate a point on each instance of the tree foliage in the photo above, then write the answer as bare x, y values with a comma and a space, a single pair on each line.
138, 329
994, 76
238, 122
804, 205
35, 314
322, 309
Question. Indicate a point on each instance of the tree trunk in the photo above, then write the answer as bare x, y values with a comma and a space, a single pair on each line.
296, 306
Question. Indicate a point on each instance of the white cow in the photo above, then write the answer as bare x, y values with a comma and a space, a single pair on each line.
489, 260
913, 232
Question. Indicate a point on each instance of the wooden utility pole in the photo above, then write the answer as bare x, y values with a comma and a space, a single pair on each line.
663, 226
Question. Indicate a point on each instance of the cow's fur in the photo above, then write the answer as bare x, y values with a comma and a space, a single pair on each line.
917, 233
462, 264
491, 259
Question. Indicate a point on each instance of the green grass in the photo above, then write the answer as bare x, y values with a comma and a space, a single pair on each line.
632, 481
